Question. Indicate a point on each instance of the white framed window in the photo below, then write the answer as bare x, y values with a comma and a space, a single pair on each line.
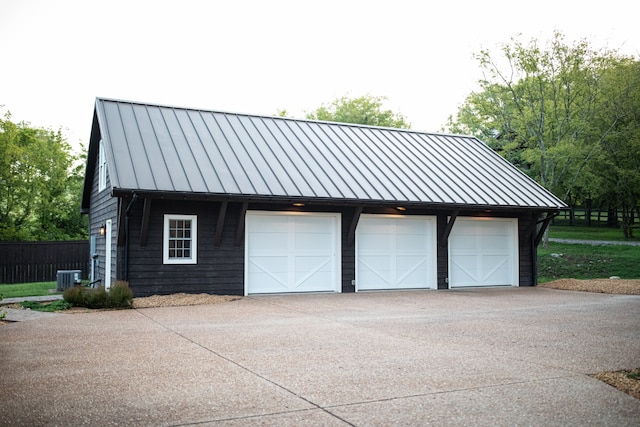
180, 241
102, 168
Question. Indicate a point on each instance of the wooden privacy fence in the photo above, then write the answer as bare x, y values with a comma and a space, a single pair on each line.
24, 262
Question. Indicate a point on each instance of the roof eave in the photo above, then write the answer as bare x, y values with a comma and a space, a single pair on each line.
92, 157
319, 201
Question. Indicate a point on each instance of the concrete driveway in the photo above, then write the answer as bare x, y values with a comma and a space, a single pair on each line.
517, 356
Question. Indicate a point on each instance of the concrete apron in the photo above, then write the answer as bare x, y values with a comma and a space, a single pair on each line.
482, 356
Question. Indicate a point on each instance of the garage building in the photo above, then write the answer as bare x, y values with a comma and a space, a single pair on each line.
188, 200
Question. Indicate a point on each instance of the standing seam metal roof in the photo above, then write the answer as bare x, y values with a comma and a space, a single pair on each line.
168, 149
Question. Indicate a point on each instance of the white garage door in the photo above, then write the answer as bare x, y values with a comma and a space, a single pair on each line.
292, 252
483, 252
395, 252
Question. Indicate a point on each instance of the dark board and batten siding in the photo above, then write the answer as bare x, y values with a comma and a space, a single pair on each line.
103, 207
526, 252
220, 269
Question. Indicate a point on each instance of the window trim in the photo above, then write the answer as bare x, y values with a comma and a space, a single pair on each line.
102, 168
194, 239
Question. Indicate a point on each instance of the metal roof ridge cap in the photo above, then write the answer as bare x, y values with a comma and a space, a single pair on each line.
267, 116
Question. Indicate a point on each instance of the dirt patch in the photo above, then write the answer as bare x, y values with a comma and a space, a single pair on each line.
604, 286
626, 381
181, 299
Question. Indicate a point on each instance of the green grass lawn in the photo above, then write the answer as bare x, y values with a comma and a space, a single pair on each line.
589, 233
27, 289
587, 262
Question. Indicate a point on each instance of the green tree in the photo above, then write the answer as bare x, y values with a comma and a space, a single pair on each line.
39, 192
364, 110
544, 109
619, 162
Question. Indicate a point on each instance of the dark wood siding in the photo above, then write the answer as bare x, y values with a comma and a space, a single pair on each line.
221, 269
103, 207
348, 253
218, 270
527, 253
442, 263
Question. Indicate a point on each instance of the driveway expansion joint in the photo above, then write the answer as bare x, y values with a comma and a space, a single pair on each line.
250, 371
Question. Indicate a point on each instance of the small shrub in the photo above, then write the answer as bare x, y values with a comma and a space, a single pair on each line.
76, 296
97, 298
118, 296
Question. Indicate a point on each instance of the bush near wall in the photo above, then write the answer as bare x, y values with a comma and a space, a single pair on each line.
118, 296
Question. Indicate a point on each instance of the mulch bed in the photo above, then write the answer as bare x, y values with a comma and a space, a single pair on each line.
604, 286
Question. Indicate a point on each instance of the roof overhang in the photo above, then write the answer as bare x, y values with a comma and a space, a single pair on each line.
323, 202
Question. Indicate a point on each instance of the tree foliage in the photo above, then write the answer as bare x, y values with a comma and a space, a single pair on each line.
618, 166
364, 110
40, 184
559, 112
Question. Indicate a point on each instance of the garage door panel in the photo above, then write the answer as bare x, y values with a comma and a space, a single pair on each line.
313, 242
312, 263
375, 279
495, 243
266, 282
269, 242
374, 243
463, 242
483, 252
394, 252
496, 269
273, 224
416, 243
271, 263
301, 255
491, 228
312, 283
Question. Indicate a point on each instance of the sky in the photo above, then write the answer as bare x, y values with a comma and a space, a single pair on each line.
258, 57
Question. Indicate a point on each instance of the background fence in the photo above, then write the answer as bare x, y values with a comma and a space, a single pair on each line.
24, 262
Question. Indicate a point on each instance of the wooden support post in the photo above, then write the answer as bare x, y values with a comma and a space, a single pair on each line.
144, 226
124, 202
351, 237
544, 226
222, 212
240, 231
447, 229
532, 227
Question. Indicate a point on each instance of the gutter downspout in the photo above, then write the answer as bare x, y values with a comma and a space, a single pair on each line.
126, 237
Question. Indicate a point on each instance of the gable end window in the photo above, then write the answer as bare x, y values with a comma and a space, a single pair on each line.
180, 241
102, 168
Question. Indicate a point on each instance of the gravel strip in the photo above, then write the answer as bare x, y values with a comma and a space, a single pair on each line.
181, 299
604, 286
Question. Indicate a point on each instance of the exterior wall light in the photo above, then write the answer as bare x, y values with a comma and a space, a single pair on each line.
401, 208
298, 205
103, 230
